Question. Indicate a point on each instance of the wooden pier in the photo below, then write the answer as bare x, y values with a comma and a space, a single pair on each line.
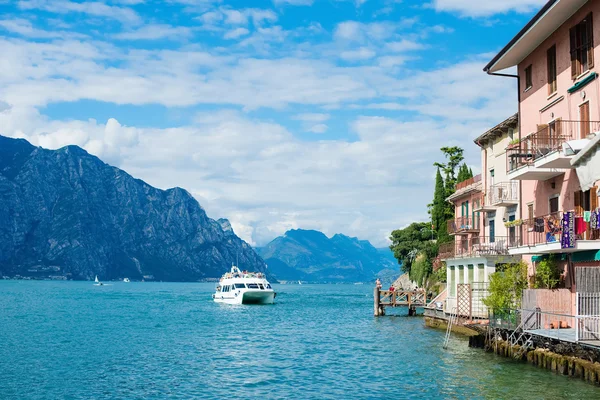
406, 298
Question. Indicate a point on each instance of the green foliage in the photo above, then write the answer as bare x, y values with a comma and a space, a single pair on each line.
506, 287
439, 209
547, 273
464, 173
410, 242
454, 156
441, 275
421, 269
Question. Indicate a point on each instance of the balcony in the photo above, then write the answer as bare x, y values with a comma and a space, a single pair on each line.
504, 194
478, 246
463, 226
547, 153
543, 234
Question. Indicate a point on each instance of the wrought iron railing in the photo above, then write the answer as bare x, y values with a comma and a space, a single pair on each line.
548, 229
547, 139
476, 246
463, 224
504, 192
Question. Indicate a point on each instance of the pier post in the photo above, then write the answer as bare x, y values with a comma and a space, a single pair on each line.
376, 300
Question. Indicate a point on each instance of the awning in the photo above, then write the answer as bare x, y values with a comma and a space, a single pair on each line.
582, 82
587, 164
583, 256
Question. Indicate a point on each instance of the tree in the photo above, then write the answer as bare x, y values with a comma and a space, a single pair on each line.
454, 156
547, 273
464, 173
421, 269
439, 207
506, 288
411, 242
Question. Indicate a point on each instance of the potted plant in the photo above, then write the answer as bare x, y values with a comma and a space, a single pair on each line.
513, 144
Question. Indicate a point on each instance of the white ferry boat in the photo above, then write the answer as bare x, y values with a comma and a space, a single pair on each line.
242, 287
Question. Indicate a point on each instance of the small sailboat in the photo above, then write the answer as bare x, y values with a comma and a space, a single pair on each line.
97, 282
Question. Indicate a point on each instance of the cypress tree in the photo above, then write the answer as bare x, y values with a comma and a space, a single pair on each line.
439, 213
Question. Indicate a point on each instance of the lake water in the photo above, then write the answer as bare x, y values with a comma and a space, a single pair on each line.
73, 340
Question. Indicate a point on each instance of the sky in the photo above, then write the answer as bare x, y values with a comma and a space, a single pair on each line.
279, 114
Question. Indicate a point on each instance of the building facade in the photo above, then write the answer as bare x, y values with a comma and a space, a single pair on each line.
559, 120
486, 208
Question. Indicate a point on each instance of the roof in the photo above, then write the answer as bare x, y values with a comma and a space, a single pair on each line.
474, 187
552, 15
500, 129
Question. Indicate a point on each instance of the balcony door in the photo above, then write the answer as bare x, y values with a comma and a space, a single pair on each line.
512, 231
584, 120
492, 231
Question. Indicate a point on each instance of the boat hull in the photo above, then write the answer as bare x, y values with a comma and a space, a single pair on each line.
247, 297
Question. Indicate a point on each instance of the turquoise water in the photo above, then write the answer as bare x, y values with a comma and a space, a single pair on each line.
73, 340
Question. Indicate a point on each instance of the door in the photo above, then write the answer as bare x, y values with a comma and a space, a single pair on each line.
492, 231
584, 120
554, 205
512, 231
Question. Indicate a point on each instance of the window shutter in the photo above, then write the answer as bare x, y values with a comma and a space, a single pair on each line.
594, 198
590, 37
577, 200
558, 126
573, 35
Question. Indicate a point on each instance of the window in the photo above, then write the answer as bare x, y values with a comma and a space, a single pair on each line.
511, 133
554, 205
528, 78
551, 54
252, 286
582, 47
492, 172
471, 273
492, 231
240, 286
530, 212
451, 280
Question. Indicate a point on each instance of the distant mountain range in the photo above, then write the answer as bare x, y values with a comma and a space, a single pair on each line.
66, 214
309, 255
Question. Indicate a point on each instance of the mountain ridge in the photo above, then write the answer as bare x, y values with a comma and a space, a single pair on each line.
310, 255
69, 212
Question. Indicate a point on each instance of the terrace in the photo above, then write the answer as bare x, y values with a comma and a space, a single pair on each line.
478, 246
543, 234
548, 152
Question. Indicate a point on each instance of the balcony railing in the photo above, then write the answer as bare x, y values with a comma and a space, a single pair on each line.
463, 225
478, 246
548, 229
503, 193
547, 139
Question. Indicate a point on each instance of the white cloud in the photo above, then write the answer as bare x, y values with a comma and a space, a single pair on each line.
312, 117
293, 2
319, 128
404, 45
24, 28
154, 32
478, 8
236, 33
93, 8
362, 53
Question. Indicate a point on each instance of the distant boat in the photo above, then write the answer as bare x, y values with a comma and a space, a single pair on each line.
126, 280
97, 282
299, 282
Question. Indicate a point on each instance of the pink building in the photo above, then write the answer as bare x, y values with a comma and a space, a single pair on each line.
555, 162
484, 205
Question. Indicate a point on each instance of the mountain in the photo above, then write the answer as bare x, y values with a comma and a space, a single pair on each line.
68, 214
311, 256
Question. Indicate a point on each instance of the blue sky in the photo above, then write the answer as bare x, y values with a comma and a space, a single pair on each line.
316, 114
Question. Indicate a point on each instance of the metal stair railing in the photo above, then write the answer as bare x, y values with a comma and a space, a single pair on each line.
453, 316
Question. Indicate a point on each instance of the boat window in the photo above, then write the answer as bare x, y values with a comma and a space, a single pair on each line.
252, 286
268, 286
261, 286
240, 286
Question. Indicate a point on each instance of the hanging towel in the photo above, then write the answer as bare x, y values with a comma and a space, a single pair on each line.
594, 220
580, 226
587, 215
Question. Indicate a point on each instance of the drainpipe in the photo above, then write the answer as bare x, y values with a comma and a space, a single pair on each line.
520, 133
